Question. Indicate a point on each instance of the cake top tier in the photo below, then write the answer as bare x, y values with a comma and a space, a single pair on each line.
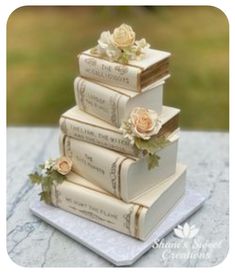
122, 61
148, 58
121, 46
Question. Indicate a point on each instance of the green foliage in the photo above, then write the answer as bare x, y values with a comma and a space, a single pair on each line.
46, 179
57, 177
150, 147
45, 196
153, 161
35, 178
123, 58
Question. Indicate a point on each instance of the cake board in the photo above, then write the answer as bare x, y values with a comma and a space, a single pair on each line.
111, 244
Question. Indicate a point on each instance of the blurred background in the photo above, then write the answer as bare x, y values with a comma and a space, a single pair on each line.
43, 42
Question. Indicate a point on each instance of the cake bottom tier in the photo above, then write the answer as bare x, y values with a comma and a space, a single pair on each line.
138, 218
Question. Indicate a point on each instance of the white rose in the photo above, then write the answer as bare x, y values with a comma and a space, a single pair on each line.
113, 53
123, 36
144, 123
104, 40
142, 43
106, 47
49, 164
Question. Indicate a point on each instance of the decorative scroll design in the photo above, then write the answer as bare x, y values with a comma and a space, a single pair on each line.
127, 219
81, 88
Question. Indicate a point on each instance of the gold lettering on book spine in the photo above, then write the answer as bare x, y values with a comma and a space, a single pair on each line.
98, 191
113, 71
91, 61
107, 86
93, 216
93, 125
129, 65
121, 69
170, 126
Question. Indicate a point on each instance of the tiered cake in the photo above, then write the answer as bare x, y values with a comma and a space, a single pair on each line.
119, 141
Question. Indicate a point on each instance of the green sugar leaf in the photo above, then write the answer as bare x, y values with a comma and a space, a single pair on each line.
35, 178
153, 161
46, 180
41, 166
56, 176
151, 145
45, 196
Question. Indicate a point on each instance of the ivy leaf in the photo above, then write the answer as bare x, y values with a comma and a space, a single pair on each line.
151, 145
123, 58
41, 166
35, 178
45, 196
46, 180
57, 177
153, 161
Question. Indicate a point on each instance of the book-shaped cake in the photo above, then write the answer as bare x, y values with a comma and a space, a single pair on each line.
123, 176
113, 104
134, 76
122, 61
82, 126
138, 219
118, 145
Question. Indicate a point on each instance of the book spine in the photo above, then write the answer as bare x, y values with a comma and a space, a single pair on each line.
115, 74
113, 140
106, 168
101, 208
100, 101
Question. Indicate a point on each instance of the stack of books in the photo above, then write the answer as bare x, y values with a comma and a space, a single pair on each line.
121, 139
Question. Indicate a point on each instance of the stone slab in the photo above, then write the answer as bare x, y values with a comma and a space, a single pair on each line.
111, 244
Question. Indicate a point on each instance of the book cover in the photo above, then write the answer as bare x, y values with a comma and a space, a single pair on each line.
113, 105
123, 176
136, 219
82, 126
135, 75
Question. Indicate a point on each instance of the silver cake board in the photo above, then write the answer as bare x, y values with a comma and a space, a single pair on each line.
111, 244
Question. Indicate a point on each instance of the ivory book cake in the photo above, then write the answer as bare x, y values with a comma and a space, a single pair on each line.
122, 175
134, 76
113, 105
137, 219
82, 126
118, 164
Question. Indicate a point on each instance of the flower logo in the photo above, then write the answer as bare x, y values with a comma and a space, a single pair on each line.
186, 231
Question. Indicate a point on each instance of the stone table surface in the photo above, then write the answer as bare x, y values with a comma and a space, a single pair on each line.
33, 243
